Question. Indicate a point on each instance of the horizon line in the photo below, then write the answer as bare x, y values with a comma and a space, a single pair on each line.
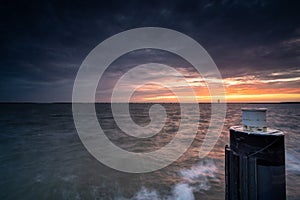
104, 102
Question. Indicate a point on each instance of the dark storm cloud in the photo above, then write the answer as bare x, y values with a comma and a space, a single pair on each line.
44, 42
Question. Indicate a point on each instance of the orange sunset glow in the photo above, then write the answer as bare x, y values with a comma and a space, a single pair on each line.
238, 89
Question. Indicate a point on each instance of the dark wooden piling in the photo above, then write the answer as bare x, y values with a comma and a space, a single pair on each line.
255, 163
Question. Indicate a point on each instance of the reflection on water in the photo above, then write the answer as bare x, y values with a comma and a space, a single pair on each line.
41, 156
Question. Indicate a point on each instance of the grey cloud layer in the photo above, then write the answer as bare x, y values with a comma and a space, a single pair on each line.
43, 43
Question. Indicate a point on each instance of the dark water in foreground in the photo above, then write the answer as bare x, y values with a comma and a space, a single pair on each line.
42, 157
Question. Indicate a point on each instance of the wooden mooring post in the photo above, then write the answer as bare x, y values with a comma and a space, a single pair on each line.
255, 160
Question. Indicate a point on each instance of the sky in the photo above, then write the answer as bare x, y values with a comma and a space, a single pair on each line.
255, 45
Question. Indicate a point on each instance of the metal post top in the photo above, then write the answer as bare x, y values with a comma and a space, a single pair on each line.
269, 131
254, 122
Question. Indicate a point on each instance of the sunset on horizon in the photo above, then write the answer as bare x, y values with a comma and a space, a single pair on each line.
242, 85
273, 87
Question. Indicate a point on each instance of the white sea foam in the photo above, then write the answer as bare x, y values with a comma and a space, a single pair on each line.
146, 194
182, 191
205, 168
195, 179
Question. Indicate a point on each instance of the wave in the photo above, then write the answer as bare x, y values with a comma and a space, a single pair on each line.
195, 179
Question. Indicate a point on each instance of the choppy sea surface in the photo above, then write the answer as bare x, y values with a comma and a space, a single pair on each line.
42, 157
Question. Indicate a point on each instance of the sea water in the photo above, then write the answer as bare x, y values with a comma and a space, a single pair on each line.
42, 157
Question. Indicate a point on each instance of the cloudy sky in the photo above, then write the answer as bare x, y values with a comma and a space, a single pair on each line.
255, 45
